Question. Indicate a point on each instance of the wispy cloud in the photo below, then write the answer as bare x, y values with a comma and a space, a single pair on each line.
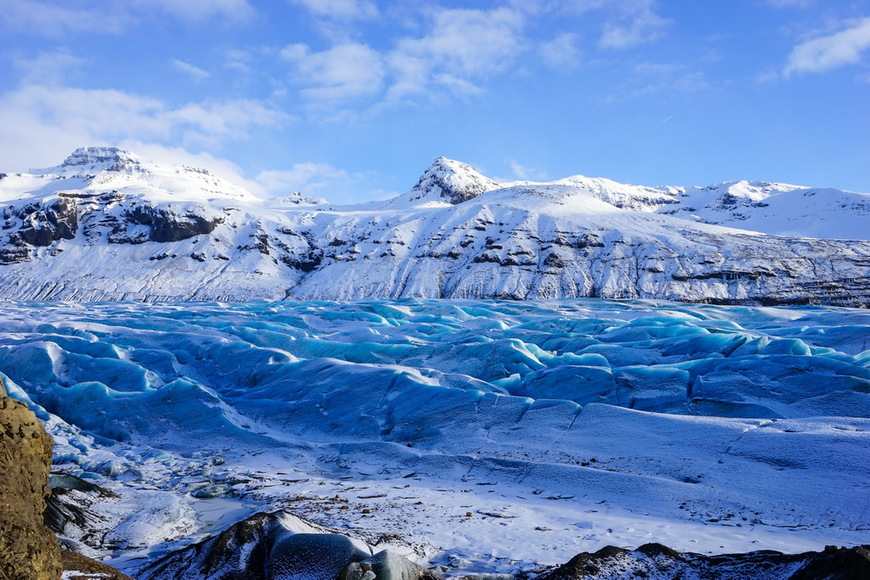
456, 51
346, 71
471, 42
461, 48
340, 9
51, 18
49, 68
561, 52
54, 120
638, 24
194, 72
831, 51
523, 173
61, 17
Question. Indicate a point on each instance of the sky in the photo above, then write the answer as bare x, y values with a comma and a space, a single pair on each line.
351, 100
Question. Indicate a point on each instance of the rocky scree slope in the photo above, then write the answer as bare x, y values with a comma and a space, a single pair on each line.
108, 225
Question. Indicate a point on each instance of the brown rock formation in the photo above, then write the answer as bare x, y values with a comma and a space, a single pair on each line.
80, 567
28, 549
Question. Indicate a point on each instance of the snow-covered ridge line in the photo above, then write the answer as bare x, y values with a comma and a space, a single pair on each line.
109, 225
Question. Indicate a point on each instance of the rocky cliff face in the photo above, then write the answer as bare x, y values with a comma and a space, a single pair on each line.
28, 549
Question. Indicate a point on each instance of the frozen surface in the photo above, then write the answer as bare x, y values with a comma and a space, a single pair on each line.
476, 435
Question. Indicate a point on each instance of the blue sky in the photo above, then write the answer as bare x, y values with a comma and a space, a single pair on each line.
352, 99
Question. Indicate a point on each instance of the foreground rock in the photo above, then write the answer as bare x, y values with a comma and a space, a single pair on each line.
654, 561
28, 549
78, 567
280, 546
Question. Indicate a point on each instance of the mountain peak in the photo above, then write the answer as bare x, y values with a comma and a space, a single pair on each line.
101, 158
451, 181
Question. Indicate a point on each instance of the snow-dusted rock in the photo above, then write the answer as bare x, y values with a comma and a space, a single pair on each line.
387, 565
656, 561
273, 546
447, 181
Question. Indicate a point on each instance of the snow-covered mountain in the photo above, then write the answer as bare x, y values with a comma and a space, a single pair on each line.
108, 225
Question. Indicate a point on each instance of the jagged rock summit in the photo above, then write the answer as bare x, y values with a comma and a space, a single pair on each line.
89, 171
448, 181
109, 225
91, 160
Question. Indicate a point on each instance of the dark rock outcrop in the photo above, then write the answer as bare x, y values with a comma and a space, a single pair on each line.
41, 225
169, 226
657, 561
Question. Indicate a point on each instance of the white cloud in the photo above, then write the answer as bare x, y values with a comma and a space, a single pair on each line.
561, 52
523, 173
47, 18
209, 124
639, 24
563, 6
346, 71
51, 121
462, 47
470, 42
56, 17
458, 50
237, 59
831, 51
340, 9
194, 72
49, 68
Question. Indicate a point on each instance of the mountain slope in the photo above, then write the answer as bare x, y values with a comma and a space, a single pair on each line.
107, 225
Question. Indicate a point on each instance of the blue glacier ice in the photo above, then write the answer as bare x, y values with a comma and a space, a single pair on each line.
760, 416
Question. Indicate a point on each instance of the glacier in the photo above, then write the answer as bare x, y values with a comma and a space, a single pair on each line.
109, 225
473, 435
